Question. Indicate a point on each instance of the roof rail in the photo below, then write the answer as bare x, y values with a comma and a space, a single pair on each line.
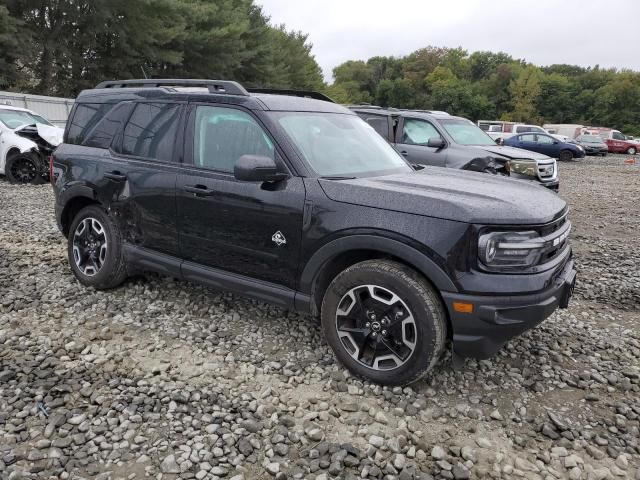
214, 86
365, 105
293, 93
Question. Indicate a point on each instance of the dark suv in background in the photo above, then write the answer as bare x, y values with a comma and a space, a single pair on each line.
298, 202
442, 140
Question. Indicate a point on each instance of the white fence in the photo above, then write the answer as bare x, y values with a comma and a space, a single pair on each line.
54, 109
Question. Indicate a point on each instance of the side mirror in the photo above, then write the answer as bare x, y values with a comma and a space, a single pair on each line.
435, 142
555, 142
257, 168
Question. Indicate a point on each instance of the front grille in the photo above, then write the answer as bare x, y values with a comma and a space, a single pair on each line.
546, 171
555, 237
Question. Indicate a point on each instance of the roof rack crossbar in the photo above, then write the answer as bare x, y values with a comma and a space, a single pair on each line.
294, 93
215, 86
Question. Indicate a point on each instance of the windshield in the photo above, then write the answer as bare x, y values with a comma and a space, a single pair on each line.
16, 118
464, 132
338, 145
589, 139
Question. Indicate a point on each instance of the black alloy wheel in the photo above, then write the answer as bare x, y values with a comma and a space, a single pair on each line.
376, 327
89, 246
23, 170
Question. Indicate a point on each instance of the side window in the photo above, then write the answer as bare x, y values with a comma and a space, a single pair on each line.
618, 136
83, 118
379, 124
102, 134
151, 131
527, 138
223, 135
544, 139
418, 132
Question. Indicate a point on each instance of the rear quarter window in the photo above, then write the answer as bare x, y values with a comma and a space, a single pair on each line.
106, 129
151, 131
84, 117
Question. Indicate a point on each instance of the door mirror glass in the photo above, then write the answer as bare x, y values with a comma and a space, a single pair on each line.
435, 142
257, 168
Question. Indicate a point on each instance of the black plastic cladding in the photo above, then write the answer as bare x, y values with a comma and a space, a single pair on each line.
428, 219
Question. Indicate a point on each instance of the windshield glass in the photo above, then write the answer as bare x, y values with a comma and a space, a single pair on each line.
464, 132
589, 139
338, 145
16, 118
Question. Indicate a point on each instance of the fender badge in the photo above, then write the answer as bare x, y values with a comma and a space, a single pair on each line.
278, 239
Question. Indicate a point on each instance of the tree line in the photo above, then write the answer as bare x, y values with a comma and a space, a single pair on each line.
59, 47
486, 85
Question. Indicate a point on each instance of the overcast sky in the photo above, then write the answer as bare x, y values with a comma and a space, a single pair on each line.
586, 32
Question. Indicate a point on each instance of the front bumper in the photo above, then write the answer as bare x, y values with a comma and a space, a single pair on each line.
497, 319
552, 185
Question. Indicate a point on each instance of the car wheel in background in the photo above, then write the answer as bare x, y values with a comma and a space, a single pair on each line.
95, 249
384, 322
565, 155
632, 150
24, 168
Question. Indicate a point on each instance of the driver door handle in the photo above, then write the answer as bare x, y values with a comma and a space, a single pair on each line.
199, 190
404, 153
116, 176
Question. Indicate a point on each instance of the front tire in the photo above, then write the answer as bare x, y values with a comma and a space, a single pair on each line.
24, 168
565, 155
95, 249
384, 322
632, 150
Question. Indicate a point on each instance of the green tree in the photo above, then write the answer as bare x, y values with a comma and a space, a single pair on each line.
9, 49
455, 95
525, 90
355, 77
291, 63
398, 93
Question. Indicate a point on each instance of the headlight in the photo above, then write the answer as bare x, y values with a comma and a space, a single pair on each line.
510, 249
522, 167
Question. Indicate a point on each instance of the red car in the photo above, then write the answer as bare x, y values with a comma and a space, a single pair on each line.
615, 140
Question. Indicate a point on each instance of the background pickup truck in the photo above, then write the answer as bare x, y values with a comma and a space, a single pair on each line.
616, 141
442, 140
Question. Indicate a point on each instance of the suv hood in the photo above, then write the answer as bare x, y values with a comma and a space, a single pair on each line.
510, 152
457, 195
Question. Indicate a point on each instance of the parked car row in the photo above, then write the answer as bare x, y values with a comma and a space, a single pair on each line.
615, 140
295, 200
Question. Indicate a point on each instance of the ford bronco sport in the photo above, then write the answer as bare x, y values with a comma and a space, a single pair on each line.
299, 202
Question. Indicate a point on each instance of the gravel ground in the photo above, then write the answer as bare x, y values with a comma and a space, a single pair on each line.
167, 380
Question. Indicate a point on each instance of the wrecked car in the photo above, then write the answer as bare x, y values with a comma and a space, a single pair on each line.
26, 141
443, 140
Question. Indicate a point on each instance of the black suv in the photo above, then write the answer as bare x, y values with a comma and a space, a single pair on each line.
441, 140
298, 202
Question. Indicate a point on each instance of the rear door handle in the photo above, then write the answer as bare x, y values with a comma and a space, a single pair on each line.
200, 190
404, 153
116, 176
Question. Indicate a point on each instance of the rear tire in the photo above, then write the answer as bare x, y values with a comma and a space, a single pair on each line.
565, 155
24, 168
384, 322
95, 249
632, 150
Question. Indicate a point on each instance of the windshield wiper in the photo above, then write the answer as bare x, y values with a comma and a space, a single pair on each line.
337, 177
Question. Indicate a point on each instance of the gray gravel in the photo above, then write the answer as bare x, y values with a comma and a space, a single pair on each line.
170, 380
